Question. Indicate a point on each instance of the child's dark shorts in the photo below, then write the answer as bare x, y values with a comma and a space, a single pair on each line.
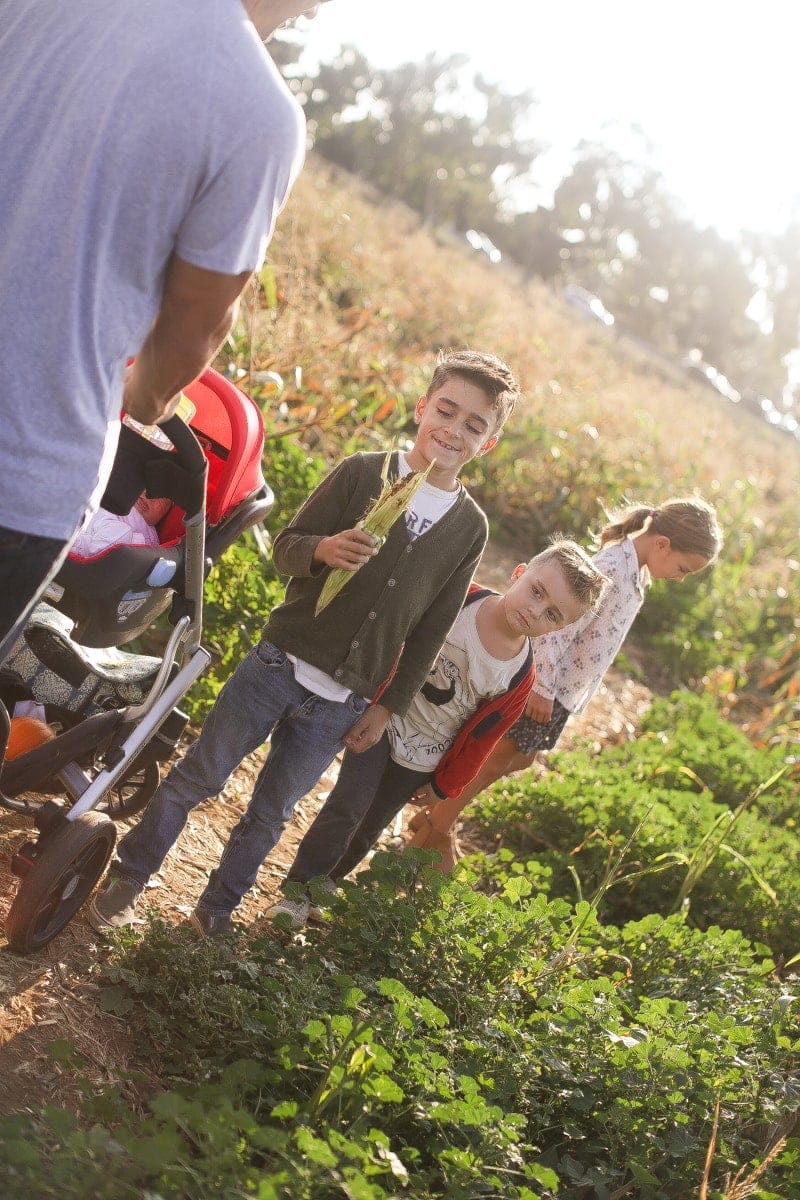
530, 736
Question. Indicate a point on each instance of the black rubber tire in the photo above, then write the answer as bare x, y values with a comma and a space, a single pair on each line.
131, 794
62, 877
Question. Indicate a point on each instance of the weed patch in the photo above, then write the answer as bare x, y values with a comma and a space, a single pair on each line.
433, 1042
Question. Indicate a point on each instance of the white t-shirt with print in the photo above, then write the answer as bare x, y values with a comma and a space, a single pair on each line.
464, 677
428, 505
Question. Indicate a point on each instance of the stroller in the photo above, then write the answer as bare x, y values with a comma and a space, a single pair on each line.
115, 713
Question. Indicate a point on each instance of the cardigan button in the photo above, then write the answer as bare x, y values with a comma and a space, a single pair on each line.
372, 616
337, 674
354, 644
391, 582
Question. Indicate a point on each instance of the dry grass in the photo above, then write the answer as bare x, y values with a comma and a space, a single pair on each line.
367, 296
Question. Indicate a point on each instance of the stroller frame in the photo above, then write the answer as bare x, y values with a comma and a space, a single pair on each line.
60, 867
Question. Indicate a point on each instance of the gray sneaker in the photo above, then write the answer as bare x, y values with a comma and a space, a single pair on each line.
115, 905
319, 889
213, 925
289, 914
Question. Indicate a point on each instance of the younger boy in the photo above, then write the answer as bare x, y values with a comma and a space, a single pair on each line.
475, 691
308, 684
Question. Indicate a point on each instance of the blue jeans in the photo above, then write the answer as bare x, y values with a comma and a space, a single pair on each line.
262, 699
369, 793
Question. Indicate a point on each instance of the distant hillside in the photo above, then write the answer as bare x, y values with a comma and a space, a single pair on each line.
359, 296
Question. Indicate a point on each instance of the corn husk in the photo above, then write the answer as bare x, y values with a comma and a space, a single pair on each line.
390, 505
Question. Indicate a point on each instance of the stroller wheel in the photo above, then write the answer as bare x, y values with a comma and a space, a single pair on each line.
133, 793
69, 865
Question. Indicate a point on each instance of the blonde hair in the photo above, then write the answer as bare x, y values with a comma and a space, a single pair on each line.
581, 576
486, 371
689, 522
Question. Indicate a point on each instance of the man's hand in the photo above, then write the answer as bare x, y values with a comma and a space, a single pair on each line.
368, 729
197, 312
349, 549
539, 708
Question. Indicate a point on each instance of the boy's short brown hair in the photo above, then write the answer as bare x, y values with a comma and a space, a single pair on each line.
581, 576
486, 371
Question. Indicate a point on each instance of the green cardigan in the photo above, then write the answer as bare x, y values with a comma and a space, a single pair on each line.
397, 608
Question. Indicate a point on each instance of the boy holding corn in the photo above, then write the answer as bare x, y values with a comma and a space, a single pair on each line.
310, 683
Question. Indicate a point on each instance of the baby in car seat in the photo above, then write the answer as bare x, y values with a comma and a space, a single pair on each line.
136, 528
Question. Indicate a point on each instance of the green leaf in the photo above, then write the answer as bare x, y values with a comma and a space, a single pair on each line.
152, 1153
63, 1052
116, 1000
314, 1148
515, 889
382, 1087
642, 1175
20, 1154
285, 1110
266, 277
544, 1175
168, 1105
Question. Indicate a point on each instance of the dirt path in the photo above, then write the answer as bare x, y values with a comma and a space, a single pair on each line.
51, 995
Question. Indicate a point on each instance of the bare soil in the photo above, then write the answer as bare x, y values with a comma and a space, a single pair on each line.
52, 994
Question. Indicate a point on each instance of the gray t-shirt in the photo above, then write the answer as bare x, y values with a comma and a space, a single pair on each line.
128, 130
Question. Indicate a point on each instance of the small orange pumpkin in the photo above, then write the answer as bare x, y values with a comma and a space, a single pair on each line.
26, 734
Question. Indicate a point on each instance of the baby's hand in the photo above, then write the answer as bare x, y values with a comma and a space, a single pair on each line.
539, 708
349, 549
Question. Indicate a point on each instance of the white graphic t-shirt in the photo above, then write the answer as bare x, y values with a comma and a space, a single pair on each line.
463, 678
428, 505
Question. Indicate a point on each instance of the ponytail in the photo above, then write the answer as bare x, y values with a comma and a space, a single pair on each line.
622, 524
689, 522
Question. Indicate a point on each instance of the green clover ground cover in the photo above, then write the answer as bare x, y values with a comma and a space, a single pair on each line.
433, 1041
686, 796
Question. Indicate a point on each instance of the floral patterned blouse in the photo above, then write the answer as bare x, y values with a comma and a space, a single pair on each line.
571, 662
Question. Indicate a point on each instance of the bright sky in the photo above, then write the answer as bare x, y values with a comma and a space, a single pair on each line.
711, 83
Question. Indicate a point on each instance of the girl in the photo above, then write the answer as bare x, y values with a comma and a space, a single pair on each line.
638, 544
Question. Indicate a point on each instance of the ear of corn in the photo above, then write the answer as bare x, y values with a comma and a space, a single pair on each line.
390, 505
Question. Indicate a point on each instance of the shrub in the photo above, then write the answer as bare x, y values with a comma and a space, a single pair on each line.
431, 1042
689, 840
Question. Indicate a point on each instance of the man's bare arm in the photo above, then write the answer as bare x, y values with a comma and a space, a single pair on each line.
197, 312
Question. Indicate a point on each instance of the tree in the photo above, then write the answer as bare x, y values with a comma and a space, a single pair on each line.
430, 133
673, 283
451, 145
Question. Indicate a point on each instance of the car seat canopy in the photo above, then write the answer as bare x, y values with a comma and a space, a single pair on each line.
114, 594
228, 425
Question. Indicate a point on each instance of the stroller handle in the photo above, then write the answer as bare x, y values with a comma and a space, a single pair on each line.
141, 464
189, 450
179, 474
184, 472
